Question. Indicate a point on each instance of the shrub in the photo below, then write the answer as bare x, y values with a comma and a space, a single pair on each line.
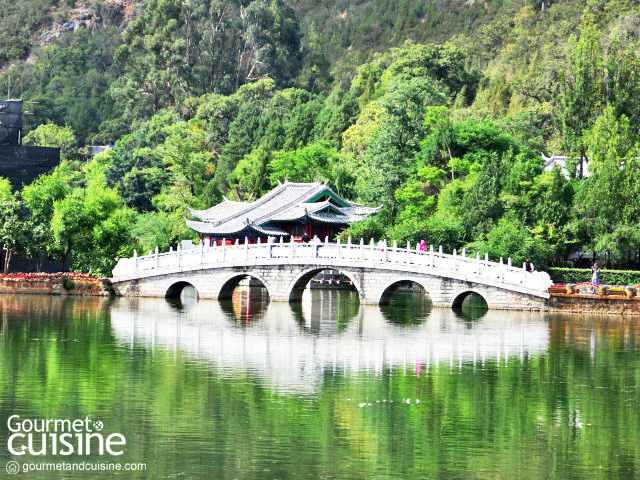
610, 277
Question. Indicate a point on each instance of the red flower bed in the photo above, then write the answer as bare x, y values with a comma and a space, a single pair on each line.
38, 277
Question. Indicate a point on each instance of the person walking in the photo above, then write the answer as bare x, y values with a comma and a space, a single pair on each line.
595, 274
423, 246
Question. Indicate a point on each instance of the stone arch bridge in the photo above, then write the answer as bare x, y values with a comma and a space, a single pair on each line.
285, 269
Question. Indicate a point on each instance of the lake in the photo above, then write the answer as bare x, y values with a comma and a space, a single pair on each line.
324, 389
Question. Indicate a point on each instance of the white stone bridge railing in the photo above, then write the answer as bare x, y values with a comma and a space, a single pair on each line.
373, 255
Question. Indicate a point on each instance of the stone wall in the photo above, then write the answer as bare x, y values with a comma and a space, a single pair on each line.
54, 285
606, 304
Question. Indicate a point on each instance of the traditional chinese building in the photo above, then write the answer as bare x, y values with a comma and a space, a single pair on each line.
289, 210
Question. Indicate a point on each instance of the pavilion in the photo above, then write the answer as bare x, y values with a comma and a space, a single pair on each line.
288, 211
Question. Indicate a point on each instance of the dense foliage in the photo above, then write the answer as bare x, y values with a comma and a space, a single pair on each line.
610, 277
444, 126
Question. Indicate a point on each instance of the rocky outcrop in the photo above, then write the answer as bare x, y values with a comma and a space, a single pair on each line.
93, 16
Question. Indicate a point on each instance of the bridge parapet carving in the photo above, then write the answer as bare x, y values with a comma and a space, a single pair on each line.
284, 268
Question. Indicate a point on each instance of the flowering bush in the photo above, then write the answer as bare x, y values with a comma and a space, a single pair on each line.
38, 277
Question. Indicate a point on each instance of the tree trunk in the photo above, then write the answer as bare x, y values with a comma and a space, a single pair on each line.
7, 261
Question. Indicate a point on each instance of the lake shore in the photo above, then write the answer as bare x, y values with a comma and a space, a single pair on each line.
67, 283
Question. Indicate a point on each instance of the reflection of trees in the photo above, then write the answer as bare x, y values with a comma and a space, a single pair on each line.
554, 412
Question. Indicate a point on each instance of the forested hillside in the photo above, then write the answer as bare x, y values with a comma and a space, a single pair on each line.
439, 110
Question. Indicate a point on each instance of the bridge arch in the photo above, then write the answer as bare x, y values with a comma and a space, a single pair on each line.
392, 287
229, 285
296, 288
461, 296
176, 288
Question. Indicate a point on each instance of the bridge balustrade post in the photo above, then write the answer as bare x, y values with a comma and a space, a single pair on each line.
156, 258
224, 249
201, 252
478, 263
464, 252
431, 256
455, 267
501, 269
178, 255
135, 261
292, 248
246, 248
509, 261
385, 246
338, 247
408, 252
361, 248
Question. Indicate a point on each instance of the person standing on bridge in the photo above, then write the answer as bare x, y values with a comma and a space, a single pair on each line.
305, 238
528, 266
423, 246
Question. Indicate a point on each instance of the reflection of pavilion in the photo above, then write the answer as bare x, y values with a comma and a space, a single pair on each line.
289, 358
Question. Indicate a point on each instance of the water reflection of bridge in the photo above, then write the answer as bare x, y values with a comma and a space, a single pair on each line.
290, 348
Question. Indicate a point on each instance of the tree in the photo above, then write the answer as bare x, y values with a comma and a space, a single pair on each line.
390, 155
51, 135
582, 91
607, 201
249, 180
11, 231
307, 164
179, 49
93, 223
510, 238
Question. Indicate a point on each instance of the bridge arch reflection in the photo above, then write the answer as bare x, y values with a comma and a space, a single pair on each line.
463, 298
289, 358
400, 285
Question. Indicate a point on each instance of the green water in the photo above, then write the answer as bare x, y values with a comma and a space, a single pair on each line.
326, 388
